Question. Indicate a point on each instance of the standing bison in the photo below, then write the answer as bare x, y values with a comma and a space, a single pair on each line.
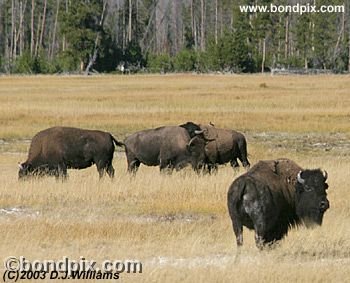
275, 195
54, 150
170, 147
222, 145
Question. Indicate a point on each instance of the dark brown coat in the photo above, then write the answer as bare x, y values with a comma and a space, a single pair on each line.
224, 146
275, 195
54, 150
169, 147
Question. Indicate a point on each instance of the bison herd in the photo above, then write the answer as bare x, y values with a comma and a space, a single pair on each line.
270, 197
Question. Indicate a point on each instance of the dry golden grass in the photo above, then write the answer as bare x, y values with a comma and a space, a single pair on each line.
177, 225
122, 104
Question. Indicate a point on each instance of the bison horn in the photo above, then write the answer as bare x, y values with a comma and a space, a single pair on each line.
325, 175
197, 132
300, 180
20, 166
211, 124
190, 142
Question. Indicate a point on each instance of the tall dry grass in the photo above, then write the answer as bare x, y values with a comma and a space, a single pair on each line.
178, 224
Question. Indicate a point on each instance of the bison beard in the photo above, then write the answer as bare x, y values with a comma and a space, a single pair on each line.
275, 195
54, 150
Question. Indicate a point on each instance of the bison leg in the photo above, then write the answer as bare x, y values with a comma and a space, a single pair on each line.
234, 163
238, 230
110, 170
166, 166
61, 172
180, 165
257, 216
259, 241
133, 166
245, 162
101, 168
101, 172
212, 168
236, 220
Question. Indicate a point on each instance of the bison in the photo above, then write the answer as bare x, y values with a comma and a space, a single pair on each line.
170, 147
275, 195
222, 146
54, 150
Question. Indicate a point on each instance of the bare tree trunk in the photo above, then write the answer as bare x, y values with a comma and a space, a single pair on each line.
12, 29
202, 25
216, 21
97, 41
54, 30
195, 35
192, 19
42, 26
37, 36
14, 51
279, 40
124, 27
221, 21
194, 25
305, 63
20, 33
264, 55
21, 46
340, 36
313, 32
175, 29
161, 27
286, 39
136, 25
64, 43
19, 36
32, 30
130, 21
148, 28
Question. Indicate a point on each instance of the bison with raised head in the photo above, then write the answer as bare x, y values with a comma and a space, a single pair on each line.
275, 195
222, 145
170, 147
54, 150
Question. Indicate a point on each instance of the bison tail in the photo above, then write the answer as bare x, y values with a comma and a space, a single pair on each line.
117, 143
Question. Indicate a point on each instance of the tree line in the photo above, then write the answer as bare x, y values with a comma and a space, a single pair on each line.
54, 36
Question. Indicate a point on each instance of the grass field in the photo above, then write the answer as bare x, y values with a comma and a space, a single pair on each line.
176, 225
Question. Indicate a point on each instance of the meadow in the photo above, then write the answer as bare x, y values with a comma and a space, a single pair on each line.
176, 225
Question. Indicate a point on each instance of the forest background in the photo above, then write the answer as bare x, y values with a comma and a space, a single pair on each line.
65, 36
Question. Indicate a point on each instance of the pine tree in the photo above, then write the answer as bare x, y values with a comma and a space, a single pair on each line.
80, 27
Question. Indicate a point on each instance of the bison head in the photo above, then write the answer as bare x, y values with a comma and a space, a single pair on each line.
311, 196
196, 149
191, 128
25, 169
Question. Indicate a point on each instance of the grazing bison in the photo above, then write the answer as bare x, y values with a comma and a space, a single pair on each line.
275, 195
54, 150
169, 147
222, 145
